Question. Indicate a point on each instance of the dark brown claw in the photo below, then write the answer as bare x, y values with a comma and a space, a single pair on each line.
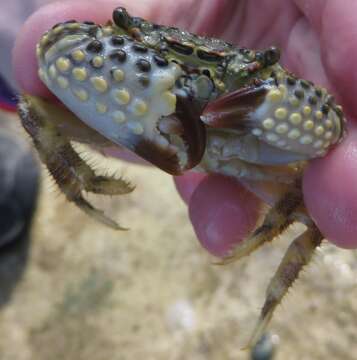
190, 129
232, 109
194, 134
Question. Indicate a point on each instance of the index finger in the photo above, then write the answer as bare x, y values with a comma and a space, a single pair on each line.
335, 23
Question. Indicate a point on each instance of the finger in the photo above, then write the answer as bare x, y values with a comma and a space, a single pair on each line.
187, 184
330, 192
302, 55
336, 25
222, 213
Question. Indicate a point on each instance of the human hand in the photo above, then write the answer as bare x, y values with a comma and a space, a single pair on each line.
317, 39
222, 212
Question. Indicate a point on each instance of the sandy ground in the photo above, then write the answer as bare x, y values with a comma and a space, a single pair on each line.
87, 292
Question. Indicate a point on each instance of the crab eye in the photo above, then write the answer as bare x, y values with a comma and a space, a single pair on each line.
268, 57
121, 18
271, 56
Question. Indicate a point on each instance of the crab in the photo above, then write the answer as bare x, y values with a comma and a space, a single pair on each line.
183, 102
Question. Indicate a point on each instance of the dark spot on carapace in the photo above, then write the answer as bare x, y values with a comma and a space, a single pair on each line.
143, 65
318, 92
182, 49
313, 100
305, 84
95, 46
209, 56
118, 55
299, 94
325, 109
117, 40
160, 61
290, 81
138, 47
88, 23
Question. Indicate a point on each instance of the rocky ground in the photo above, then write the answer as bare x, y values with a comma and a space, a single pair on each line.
86, 292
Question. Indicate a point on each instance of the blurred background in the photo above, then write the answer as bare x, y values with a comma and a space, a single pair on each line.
83, 291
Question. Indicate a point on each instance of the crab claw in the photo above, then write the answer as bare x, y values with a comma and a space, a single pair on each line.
283, 113
123, 90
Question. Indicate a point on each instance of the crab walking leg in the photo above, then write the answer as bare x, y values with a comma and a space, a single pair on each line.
68, 169
275, 222
297, 256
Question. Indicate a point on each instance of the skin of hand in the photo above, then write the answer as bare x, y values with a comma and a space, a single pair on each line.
18, 11
317, 39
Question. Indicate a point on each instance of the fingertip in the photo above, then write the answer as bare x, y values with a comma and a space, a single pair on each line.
335, 23
24, 62
330, 192
187, 184
222, 213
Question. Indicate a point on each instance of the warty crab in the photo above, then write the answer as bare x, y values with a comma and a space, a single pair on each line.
184, 102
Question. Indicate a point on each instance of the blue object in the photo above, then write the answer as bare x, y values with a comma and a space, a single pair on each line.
8, 98
264, 349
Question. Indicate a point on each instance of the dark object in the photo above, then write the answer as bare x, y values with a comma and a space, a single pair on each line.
95, 46
19, 176
117, 40
143, 65
7, 96
264, 349
19, 182
119, 55
160, 61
